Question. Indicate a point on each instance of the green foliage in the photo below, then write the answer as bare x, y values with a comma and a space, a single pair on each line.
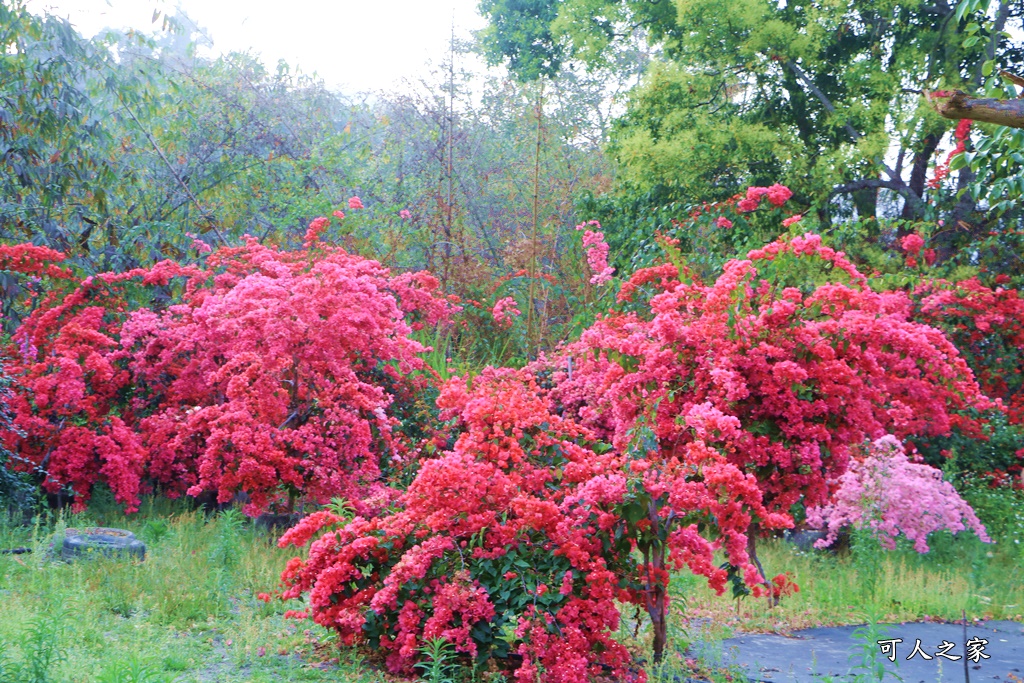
967, 457
39, 645
440, 665
824, 98
1001, 510
53, 142
520, 31
224, 554
132, 670
867, 660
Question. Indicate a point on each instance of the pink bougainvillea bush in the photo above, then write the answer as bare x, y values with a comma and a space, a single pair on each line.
527, 523
885, 492
266, 377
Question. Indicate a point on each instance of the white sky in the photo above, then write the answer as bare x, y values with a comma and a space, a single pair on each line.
355, 46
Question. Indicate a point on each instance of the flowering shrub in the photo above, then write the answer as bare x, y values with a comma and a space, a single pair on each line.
891, 495
987, 326
712, 233
777, 194
32, 260
267, 378
529, 523
15, 490
783, 380
70, 388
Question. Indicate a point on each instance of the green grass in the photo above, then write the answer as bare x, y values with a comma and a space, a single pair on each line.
959, 574
189, 613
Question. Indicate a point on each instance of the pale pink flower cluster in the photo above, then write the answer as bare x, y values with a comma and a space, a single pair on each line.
597, 253
504, 310
355, 203
891, 495
405, 214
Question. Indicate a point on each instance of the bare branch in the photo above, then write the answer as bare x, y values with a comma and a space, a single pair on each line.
899, 187
960, 105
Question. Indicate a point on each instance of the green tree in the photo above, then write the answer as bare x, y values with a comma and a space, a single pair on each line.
825, 98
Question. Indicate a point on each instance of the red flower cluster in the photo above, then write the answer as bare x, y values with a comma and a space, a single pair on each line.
961, 134
777, 195
987, 326
32, 260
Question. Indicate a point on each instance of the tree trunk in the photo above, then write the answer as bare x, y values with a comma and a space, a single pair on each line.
919, 171
657, 602
752, 531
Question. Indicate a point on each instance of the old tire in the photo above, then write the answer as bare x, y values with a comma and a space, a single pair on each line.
101, 541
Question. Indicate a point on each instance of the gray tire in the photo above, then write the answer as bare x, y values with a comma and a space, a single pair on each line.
96, 541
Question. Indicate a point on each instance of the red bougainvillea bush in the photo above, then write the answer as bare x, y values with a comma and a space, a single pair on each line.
790, 345
69, 396
686, 425
264, 378
987, 326
518, 542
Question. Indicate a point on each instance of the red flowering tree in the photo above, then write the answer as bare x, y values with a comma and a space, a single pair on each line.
69, 389
527, 522
267, 377
797, 359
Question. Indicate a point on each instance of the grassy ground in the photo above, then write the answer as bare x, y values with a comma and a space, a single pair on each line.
189, 613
